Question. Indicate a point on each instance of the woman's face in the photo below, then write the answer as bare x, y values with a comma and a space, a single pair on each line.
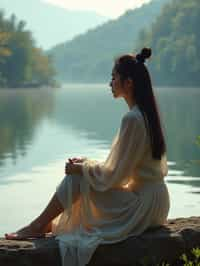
116, 85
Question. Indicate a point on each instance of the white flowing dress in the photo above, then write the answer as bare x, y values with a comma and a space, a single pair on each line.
114, 199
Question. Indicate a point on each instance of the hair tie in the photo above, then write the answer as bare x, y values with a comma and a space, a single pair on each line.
140, 58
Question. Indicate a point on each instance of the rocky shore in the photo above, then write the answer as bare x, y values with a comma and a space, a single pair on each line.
154, 246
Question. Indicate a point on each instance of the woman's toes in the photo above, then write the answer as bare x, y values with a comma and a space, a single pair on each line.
11, 236
25, 233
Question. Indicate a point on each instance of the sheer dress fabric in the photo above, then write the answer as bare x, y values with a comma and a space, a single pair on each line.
114, 199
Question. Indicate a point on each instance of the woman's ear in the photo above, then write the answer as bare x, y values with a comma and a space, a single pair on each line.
129, 83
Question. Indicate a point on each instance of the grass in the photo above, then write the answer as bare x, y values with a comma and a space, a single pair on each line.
184, 260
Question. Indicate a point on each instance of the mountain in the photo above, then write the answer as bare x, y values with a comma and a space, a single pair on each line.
175, 39
51, 24
88, 57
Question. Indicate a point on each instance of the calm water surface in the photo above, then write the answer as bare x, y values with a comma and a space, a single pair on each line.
39, 129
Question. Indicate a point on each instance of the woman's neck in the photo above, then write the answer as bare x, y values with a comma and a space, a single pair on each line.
130, 101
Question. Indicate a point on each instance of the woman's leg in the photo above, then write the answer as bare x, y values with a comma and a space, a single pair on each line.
42, 224
52, 210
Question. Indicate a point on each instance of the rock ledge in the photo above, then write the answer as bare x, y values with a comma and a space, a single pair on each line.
165, 243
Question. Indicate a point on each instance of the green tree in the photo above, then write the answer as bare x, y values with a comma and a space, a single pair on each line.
175, 40
21, 62
42, 70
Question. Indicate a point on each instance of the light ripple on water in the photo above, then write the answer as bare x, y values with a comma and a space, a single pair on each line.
176, 172
170, 163
183, 178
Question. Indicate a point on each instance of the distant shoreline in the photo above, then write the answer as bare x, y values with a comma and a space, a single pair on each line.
92, 85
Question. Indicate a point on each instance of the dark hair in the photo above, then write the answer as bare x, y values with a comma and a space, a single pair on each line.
132, 67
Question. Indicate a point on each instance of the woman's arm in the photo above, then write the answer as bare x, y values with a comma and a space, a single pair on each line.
123, 159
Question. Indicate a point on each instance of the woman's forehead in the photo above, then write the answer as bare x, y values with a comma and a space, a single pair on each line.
114, 71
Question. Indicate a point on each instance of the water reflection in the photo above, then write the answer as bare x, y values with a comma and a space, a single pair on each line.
92, 116
40, 128
20, 114
95, 111
90, 109
180, 109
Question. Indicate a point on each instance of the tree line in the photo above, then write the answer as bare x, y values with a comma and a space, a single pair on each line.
175, 40
170, 28
22, 63
89, 57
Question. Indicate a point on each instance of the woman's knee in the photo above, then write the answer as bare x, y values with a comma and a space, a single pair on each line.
69, 185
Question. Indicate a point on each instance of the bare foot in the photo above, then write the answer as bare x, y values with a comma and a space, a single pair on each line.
30, 231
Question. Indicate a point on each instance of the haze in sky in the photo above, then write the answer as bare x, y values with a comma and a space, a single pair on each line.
44, 17
110, 8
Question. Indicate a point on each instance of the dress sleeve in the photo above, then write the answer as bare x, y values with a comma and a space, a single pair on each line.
126, 152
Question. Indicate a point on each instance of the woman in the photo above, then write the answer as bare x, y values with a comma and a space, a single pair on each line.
109, 201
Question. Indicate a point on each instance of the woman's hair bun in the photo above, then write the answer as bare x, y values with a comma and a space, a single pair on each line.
144, 54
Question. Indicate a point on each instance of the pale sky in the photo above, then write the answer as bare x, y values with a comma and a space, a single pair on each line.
110, 8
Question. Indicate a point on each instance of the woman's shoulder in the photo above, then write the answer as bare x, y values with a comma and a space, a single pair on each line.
134, 115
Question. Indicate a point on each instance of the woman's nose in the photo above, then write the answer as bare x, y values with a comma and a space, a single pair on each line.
110, 83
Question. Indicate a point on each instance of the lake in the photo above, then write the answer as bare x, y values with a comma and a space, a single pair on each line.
41, 128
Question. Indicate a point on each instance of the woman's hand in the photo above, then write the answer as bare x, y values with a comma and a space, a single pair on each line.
72, 168
77, 160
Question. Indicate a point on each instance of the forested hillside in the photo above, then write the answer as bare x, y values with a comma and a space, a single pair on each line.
89, 57
22, 64
175, 40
